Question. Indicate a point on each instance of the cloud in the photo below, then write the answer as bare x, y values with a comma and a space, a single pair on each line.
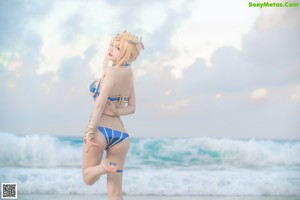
218, 96
72, 28
14, 19
179, 104
270, 48
264, 68
259, 93
267, 58
295, 96
191, 78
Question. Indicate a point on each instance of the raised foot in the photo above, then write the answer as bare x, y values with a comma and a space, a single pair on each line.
106, 167
115, 164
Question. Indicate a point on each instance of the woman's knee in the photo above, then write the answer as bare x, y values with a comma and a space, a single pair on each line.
87, 179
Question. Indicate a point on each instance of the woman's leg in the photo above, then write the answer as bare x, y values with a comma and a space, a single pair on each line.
117, 154
91, 167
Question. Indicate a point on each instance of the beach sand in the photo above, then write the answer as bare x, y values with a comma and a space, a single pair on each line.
131, 197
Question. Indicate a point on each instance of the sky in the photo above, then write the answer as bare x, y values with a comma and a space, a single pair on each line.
209, 68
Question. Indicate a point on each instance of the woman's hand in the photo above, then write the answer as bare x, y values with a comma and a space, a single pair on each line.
89, 138
110, 109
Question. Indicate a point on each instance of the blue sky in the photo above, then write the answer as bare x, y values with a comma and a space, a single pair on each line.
209, 69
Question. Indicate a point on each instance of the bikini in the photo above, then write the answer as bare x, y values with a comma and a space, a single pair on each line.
112, 137
96, 92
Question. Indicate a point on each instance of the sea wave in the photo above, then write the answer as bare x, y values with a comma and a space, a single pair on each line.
38, 151
52, 151
214, 152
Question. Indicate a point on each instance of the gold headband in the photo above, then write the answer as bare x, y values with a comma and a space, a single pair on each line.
138, 44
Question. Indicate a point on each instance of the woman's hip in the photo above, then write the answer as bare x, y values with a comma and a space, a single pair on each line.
114, 123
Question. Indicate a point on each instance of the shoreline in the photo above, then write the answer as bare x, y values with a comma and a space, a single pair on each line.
149, 197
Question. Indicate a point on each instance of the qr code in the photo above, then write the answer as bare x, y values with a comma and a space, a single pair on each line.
9, 190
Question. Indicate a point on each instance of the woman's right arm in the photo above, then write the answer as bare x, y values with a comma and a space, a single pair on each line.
130, 108
113, 111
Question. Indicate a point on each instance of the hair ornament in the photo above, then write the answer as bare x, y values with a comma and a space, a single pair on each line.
131, 39
140, 45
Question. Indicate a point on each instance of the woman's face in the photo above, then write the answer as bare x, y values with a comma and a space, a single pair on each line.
113, 53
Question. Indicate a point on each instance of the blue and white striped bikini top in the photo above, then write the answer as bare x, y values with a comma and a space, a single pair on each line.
96, 91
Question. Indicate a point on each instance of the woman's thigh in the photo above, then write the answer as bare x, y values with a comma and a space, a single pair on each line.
94, 155
117, 154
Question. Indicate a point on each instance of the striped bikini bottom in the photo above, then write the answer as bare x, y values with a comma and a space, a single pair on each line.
112, 137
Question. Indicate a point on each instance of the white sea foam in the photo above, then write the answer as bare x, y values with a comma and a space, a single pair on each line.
159, 182
211, 182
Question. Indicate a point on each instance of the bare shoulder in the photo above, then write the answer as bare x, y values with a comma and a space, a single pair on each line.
111, 71
114, 71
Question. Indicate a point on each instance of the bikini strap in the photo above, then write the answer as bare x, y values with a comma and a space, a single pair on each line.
97, 90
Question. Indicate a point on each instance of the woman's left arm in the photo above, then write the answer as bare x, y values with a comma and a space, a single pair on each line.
107, 85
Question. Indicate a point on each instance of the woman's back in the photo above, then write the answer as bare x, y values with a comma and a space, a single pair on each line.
123, 79
122, 90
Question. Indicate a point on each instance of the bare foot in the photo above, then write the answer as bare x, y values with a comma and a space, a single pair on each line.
107, 167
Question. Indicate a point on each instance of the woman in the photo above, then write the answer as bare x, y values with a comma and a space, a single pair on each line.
114, 96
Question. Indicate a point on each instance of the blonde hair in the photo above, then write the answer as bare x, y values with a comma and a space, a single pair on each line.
130, 47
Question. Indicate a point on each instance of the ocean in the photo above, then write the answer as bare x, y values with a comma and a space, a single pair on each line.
200, 166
